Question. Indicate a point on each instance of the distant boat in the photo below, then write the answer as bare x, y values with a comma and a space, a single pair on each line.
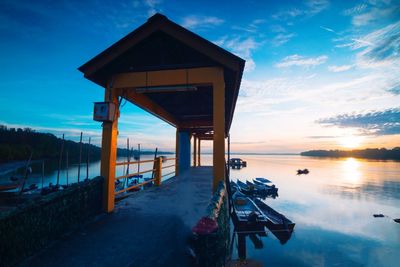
305, 171
277, 223
246, 215
237, 163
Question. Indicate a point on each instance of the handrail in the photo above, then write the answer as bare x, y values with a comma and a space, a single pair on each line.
133, 162
133, 174
168, 174
168, 166
134, 186
169, 159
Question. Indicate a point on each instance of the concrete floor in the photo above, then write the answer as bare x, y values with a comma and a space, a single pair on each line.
149, 228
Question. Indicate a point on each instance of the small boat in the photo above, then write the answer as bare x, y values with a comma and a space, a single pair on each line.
8, 186
262, 180
263, 188
49, 189
246, 215
276, 220
237, 163
397, 220
234, 187
305, 171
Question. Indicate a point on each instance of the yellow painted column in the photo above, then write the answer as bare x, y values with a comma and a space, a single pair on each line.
177, 152
194, 151
158, 171
219, 129
109, 152
199, 152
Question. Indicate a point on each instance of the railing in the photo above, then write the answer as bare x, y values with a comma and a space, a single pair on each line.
156, 173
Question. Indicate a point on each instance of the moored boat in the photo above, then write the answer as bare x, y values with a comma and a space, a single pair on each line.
262, 180
246, 215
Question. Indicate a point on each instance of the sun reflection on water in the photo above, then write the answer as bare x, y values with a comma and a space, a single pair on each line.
351, 171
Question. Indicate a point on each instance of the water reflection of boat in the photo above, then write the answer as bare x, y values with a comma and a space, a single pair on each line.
246, 214
277, 223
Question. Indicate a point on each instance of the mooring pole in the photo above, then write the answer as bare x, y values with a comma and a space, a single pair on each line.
87, 161
59, 161
80, 158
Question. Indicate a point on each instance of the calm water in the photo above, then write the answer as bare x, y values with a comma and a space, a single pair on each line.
332, 207
51, 170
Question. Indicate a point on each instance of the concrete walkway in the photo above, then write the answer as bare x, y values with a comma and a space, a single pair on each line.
149, 228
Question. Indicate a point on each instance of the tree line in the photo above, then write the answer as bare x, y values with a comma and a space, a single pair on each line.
17, 144
369, 153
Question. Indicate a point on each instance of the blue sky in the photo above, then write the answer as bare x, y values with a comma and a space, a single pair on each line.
319, 74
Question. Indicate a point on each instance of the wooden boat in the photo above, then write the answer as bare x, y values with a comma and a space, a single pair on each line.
277, 223
263, 188
246, 215
9, 186
262, 180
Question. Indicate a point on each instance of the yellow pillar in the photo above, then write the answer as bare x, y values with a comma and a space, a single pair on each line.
109, 152
219, 129
194, 151
198, 157
177, 152
158, 171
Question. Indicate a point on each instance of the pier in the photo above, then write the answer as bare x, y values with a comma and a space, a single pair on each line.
193, 85
149, 228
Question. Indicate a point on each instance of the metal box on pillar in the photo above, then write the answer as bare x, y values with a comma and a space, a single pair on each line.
104, 111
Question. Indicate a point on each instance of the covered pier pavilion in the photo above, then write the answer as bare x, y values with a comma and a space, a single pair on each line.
177, 76
193, 85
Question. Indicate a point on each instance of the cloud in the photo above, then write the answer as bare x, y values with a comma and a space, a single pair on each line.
327, 29
310, 8
297, 60
250, 28
282, 38
201, 22
242, 47
373, 15
386, 122
341, 68
152, 6
323, 136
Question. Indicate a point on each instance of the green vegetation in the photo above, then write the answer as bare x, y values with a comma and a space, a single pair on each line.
17, 144
369, 153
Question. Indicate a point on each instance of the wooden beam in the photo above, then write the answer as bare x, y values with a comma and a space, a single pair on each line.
109, 152
200, 76
219, 129
148, 105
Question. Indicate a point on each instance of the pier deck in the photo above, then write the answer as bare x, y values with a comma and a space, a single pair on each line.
148, 228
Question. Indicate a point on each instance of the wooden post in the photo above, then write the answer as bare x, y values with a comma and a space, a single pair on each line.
158, 171
194, 151
199, 152
80, 158
109, 152
177, 152
219, 129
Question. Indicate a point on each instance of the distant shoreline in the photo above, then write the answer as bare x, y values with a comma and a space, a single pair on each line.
369, 153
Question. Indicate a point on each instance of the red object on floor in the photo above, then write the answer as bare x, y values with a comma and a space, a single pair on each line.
205, 226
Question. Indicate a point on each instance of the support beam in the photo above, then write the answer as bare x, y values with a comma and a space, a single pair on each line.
219, 129
109, 152
199, 153
184, 150
145, 103
194, 151
177, 152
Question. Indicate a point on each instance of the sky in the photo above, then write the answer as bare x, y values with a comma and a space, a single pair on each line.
319, 74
